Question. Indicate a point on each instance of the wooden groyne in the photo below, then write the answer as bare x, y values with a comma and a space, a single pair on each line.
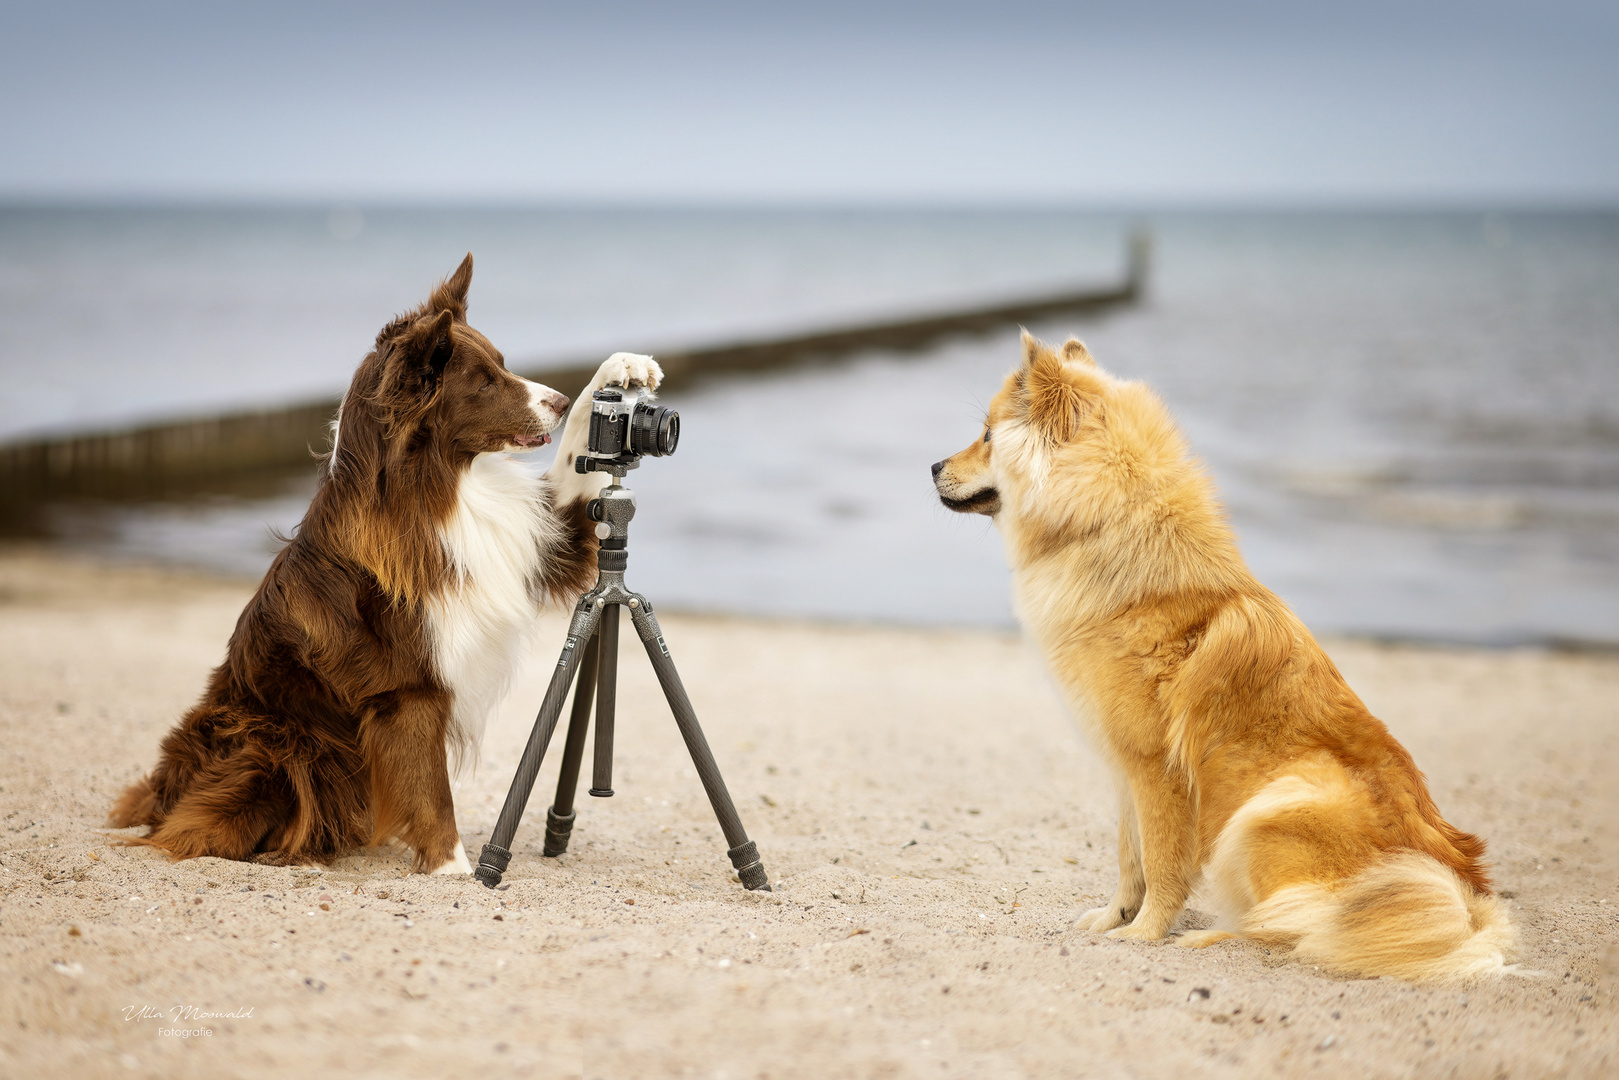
252, 452
905, 335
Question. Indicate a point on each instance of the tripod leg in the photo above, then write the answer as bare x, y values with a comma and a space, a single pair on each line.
559, 819
497, 853
601, 776
744, 853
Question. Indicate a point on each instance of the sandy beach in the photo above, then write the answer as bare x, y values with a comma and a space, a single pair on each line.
930, 817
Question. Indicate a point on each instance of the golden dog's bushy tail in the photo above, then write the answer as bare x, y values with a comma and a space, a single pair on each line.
1405, 915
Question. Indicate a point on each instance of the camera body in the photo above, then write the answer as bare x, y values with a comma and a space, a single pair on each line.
623, 429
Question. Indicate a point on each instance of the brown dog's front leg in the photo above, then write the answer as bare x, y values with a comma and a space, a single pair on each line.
402, 736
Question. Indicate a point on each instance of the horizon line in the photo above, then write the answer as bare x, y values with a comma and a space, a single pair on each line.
1413, 203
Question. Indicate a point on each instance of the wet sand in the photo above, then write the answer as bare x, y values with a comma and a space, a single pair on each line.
931, 819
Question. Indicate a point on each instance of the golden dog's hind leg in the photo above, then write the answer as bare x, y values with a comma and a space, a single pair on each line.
1164, 818
1132, 884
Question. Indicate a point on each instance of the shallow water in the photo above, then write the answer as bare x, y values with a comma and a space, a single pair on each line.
1414, 418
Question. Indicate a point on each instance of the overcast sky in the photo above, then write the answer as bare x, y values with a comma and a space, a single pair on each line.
1249, 101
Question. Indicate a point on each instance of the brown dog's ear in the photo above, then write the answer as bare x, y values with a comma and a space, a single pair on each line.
451, 294
415, 365
433, 348
1054, 397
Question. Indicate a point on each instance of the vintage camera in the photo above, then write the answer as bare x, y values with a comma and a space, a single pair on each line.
623, 429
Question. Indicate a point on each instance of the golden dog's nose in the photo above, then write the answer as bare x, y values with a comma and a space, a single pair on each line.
938, 467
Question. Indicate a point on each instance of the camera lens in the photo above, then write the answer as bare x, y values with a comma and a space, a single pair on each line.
654, 430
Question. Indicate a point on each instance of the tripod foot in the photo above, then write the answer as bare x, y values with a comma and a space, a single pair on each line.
745, 858
492, 862
558, 828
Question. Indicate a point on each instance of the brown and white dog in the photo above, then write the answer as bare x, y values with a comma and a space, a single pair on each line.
1241, 755
388, 627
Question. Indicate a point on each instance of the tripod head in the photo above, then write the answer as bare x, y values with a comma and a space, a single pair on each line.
612, 509
618, 468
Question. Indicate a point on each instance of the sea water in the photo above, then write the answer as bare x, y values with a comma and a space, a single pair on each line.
1413, 417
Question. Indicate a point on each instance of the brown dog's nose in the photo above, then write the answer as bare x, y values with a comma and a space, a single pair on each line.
938, 467
559, 402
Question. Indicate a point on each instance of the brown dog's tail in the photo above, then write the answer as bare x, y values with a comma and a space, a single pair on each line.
136, 806
1405, 915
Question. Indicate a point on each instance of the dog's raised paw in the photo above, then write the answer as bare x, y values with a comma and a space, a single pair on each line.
630, 369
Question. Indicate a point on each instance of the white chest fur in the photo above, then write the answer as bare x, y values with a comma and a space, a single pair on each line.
476, 626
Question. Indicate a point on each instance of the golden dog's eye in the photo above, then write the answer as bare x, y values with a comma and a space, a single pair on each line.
986, 434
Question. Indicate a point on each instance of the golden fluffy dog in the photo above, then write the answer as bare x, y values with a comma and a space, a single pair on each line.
1241, 754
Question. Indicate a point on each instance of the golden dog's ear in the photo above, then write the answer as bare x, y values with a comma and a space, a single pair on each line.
1075, 350
451, 294
1054, 396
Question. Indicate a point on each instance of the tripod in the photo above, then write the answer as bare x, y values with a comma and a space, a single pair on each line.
591, 651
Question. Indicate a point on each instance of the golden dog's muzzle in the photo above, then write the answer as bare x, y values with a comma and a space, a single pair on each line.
982, 501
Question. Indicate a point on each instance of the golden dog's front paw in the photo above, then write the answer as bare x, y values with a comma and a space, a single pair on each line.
1202, 939
1136, 933
1098, 920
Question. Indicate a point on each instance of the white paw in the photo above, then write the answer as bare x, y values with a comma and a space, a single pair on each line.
630, 370
1099, 920
457, 863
